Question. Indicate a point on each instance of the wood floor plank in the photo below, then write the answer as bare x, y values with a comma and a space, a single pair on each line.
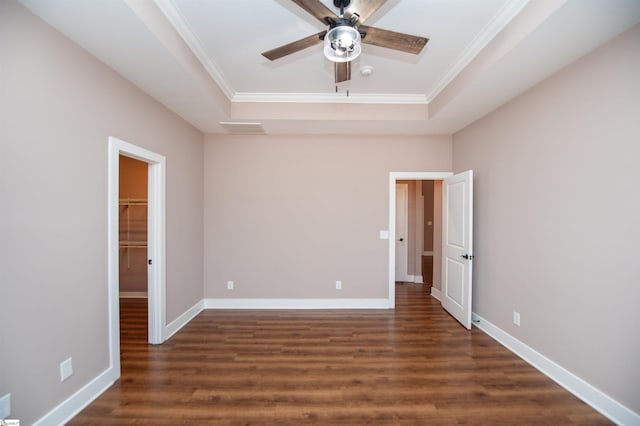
414, 365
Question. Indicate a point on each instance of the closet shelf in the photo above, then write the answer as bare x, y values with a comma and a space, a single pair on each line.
133, 227
133, 202
133, 244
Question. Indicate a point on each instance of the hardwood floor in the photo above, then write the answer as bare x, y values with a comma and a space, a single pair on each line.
411, 366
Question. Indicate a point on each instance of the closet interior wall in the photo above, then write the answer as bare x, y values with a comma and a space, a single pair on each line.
133, 227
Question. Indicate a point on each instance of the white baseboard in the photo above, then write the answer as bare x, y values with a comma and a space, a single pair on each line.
435, 293
597, 399
133, 294
296, 304
83, 397
183, 319
601, 402
79, 400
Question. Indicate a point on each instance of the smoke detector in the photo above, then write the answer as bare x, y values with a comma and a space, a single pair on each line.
366, 71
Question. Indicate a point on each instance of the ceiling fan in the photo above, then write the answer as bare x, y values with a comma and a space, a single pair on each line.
345, 33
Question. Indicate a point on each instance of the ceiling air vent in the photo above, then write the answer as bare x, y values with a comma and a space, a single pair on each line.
240, 128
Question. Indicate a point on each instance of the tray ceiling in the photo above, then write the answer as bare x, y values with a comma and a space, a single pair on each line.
202, 59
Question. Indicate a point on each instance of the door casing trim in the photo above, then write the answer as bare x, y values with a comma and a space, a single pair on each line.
156, 250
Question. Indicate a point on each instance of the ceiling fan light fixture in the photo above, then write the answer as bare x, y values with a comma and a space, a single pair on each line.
342, 44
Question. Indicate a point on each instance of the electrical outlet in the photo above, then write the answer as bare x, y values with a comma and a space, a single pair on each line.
229, 285
66, 369
338, 285
5, 406
516, 318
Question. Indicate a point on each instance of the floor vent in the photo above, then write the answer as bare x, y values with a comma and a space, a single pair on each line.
243, 128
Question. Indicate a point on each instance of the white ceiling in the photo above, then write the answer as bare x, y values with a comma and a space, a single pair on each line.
202, 58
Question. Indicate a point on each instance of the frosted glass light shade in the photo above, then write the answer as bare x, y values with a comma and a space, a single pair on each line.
342, 44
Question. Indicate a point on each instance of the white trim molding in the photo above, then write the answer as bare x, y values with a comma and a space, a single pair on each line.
509, 11
66, 410
296, 304
592, 396
175, 325
179, 23
435, 293
92, 390
338, 98
156, 242
416, 279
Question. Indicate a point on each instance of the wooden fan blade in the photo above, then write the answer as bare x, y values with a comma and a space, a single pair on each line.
296, 46
364, 8
342, 71
393, 40
317, 9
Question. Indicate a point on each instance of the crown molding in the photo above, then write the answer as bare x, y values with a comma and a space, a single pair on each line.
507, 13
178, 21
328, 98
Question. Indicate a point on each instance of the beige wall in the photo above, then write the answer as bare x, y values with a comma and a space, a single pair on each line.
556, 217
414, 239
58, 106
285, 217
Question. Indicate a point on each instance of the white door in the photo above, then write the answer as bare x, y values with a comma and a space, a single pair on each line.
457, 246
402, 207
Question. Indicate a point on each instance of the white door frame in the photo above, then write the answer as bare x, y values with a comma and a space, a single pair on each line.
156, 250
393, 178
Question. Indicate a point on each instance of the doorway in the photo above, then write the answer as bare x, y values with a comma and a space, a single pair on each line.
394, 179
418, 232
457, 240
132, 213
155, 250
133, 277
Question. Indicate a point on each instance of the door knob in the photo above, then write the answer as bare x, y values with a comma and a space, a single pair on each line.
466, 256
401, 239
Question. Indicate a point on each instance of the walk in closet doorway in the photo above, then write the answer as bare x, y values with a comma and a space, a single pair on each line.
132, 249
131, 237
